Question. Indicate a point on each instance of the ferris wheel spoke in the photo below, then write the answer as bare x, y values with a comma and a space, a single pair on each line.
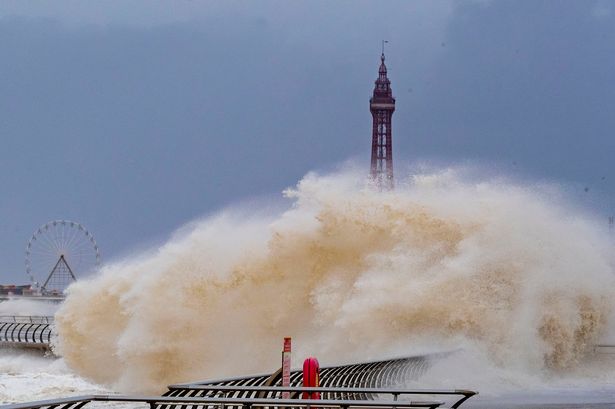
45, 258
86, 254
49, 240
46, 255
66, 234
77, 247
73, 235
81, 245
58, 238
56, 241
57, 234
47, 245
75, 252
57, 231
46, 251
40, 244
60, 235
85, 245
60, 241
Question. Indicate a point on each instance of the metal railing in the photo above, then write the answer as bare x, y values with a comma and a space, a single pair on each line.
374, 374
604, 348
365, 394
32, 319
78, 402
26, 331
34, 297
362, 381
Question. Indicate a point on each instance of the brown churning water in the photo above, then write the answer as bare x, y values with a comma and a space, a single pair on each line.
351, 274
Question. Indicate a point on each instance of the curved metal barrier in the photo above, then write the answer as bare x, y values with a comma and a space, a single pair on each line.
375, 374
26, 331
244, 403
356, 386
458, 396
367, 381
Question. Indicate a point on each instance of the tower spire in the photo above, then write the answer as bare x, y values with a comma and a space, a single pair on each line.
382, 106
383, 43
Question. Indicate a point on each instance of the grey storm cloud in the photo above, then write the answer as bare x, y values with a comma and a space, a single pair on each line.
135, 117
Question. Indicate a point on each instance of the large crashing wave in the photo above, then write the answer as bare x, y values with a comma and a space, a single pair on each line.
351, 274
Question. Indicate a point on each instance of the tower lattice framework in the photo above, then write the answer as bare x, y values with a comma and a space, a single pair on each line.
60, 277
382, 106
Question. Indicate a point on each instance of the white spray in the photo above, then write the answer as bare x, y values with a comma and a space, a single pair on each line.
352, 275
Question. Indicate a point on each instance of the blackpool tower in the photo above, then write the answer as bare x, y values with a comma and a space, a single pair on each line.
382, 105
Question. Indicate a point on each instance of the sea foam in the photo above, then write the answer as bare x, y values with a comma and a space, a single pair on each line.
352, 274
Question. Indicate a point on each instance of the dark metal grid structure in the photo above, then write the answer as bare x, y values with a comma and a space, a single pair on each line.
382, 106
60, 277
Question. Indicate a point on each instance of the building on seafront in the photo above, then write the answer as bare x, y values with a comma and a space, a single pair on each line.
12, 289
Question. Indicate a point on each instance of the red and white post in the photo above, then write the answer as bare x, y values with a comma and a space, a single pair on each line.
286, 366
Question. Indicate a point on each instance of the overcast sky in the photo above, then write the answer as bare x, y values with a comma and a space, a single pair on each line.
135, 117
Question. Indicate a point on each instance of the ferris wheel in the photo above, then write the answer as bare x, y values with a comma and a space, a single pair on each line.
57, 252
